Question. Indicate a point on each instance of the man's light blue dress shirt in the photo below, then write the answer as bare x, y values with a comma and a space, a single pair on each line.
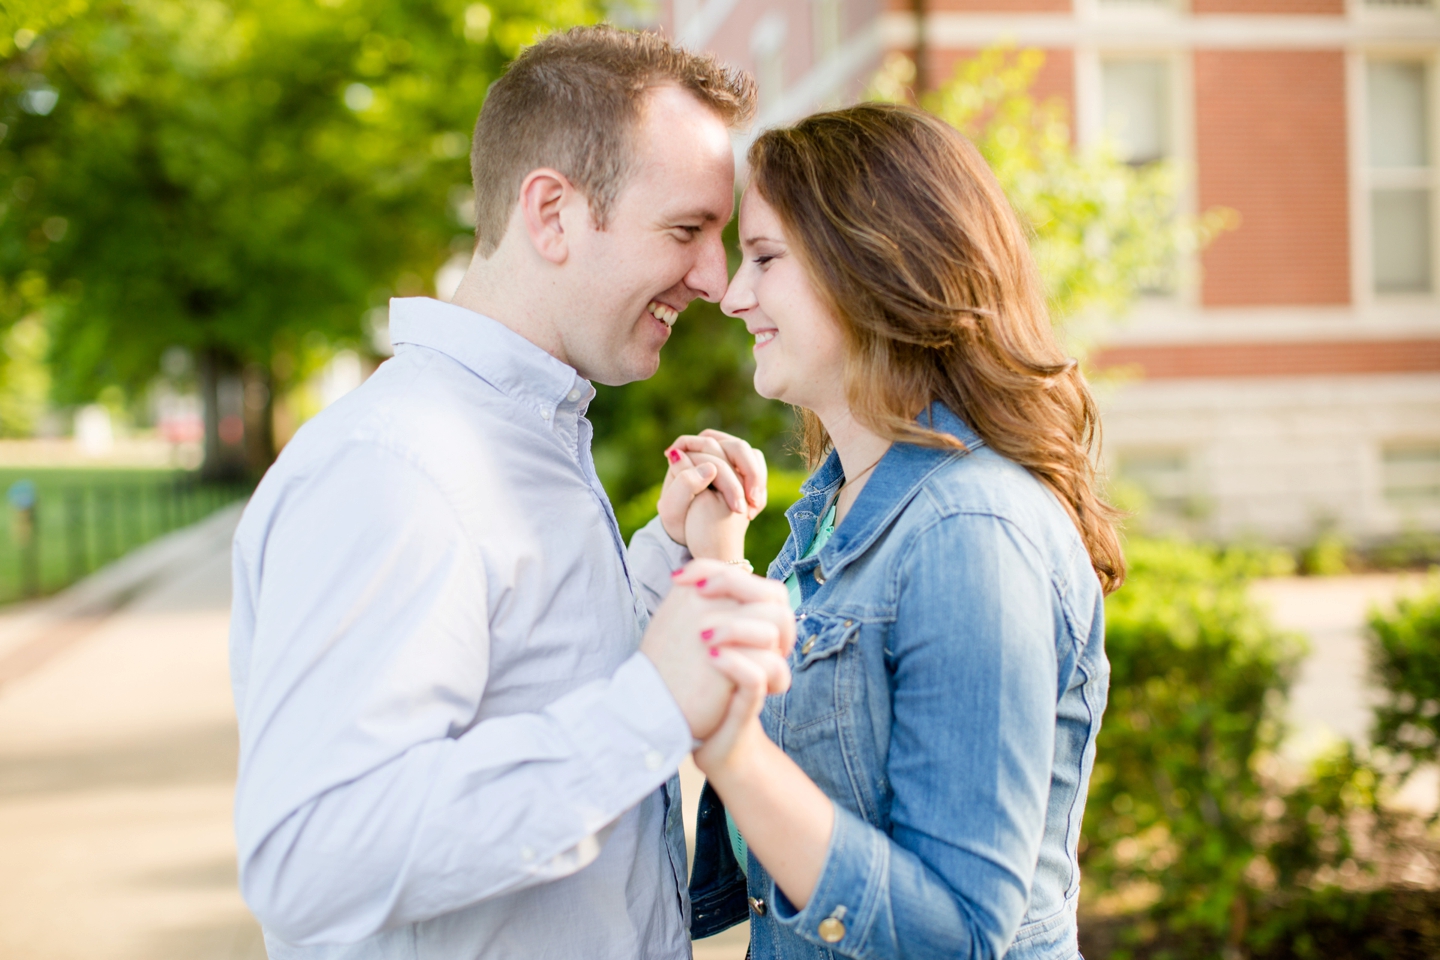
450, 747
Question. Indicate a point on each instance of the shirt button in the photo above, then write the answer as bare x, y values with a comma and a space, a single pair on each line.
832, 930
653, 759
758, 906
544, 414
527, 854
573, 395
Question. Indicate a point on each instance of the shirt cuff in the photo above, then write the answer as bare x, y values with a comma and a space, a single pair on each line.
842, 907
653, 558
640, 729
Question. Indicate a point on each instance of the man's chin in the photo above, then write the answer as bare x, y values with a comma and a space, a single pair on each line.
629, 370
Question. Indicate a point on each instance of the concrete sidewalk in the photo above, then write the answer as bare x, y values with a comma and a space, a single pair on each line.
1333, 696
117, 765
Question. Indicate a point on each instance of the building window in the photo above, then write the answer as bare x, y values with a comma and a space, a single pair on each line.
1135, 98
1401, 176
829, 15
1410, 475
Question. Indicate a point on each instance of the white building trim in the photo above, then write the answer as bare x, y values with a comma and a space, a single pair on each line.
1164, 32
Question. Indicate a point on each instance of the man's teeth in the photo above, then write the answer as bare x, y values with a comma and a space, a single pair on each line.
666, 315
764, 336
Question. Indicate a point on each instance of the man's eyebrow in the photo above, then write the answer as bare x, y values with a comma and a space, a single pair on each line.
708, 216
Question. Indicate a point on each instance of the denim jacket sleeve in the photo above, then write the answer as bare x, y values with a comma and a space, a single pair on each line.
974, 674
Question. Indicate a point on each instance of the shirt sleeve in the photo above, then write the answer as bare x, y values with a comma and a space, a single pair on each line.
368, 797
972, 742
653, 557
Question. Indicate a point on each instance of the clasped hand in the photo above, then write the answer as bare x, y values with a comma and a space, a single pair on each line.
722, 637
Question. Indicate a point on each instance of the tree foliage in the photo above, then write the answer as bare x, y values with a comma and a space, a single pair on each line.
1103, 231
236, 175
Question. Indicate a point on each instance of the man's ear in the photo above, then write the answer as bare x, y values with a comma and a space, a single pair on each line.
542, 198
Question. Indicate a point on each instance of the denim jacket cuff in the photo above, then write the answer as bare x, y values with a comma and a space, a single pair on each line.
846, 893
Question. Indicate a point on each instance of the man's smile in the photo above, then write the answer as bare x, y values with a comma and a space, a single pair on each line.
663, 312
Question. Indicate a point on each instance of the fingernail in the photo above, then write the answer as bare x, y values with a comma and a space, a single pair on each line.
676, 573
700, 583
674, 455
714, 651
706, 634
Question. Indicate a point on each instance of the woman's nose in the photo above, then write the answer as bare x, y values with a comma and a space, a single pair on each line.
738, 296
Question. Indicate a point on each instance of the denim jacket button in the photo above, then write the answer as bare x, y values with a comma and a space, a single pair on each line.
832, 930
808, 645
758, 906
820, 576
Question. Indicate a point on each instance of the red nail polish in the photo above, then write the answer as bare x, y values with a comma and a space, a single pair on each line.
676, 573
714, 651
706, 634
674, 455
700, 583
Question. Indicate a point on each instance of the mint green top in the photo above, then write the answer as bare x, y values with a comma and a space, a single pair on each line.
792, 584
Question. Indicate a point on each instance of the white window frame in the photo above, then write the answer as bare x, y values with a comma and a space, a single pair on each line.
1363, 179
1090, 127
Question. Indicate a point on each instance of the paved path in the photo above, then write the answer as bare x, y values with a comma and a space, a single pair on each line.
117, 765
1332, 698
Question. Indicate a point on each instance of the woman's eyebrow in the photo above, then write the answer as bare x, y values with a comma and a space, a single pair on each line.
751, 241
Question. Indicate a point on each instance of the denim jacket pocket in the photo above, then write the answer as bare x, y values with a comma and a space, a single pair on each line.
821, 671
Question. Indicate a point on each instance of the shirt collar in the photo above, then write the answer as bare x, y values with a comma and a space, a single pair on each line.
492, 351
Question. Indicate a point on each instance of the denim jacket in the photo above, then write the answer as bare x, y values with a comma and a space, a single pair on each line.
948, 686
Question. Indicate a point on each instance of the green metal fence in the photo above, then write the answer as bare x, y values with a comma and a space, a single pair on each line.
63, 524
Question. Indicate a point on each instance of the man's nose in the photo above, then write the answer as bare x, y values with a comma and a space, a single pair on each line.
710, 275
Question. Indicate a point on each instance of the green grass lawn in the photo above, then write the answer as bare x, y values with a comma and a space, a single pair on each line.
84, 518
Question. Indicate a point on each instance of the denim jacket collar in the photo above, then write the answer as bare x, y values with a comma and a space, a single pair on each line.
897, 478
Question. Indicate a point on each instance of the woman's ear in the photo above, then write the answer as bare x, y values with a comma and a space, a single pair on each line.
543, 193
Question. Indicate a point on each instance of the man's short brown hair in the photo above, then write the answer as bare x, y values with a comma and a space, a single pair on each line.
573, 102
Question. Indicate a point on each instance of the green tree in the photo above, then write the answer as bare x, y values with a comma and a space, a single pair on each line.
1103, 231
24, 376
237, 176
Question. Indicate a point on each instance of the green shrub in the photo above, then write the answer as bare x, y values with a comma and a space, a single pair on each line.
1187, 815
1405, 653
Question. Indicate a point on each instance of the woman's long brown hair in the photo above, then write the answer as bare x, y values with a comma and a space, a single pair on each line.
907, 234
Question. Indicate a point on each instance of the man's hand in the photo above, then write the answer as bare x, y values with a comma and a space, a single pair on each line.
718, 607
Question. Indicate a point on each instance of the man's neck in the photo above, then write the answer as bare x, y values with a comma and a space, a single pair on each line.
481, 291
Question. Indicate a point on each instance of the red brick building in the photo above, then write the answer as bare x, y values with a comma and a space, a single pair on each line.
1295, 385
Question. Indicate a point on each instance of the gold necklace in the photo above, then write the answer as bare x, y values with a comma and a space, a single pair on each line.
850, 480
